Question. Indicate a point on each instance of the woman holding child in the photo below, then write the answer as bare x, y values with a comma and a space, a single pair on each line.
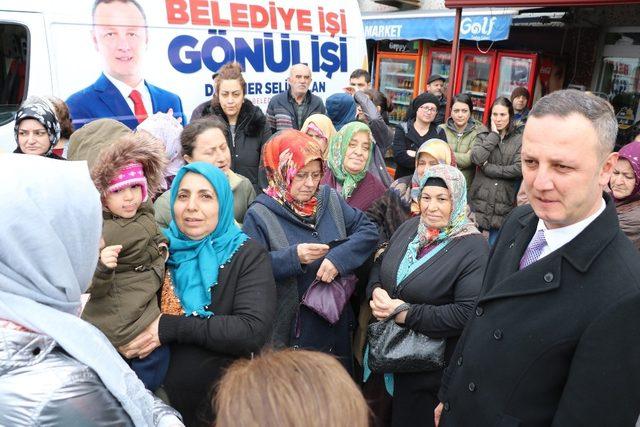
219, 301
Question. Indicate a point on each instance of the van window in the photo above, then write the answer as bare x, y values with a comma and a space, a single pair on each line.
14, 46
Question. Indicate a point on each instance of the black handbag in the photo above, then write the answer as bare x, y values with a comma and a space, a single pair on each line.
395, 348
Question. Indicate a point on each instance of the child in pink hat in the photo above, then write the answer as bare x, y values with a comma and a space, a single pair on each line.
130, 271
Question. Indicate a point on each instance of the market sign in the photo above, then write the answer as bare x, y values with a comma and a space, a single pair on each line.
477, 28
452, 4
399, 46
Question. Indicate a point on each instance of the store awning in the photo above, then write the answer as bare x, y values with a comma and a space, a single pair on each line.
438, 25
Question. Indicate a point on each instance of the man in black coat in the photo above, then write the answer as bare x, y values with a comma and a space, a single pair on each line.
546, 345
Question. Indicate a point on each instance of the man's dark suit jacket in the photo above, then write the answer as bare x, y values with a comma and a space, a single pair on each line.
550, 344
103, 100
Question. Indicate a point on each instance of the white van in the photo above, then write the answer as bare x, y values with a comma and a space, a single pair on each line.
50, 48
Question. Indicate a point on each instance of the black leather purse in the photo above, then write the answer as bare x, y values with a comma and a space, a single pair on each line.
395, 348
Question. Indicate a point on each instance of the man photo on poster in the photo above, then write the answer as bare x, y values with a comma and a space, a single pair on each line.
120, 36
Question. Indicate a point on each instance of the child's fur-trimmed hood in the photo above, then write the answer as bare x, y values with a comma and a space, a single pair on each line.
133, 148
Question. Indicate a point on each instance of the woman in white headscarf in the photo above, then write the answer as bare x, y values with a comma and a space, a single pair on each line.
56, 369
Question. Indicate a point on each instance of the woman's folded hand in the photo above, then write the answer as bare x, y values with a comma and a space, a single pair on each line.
309, 252
382, 305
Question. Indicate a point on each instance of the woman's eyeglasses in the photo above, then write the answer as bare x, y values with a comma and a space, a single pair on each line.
428, 109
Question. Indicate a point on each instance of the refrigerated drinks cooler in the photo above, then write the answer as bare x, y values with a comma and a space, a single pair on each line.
620, 83
515, 69
475, 72
438, 62
397, 74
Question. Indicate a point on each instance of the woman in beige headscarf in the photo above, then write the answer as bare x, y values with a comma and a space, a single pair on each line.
320, 128
396, 205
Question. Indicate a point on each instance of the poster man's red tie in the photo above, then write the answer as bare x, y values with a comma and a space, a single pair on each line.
138, 107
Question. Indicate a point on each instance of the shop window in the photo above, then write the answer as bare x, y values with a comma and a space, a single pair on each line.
13, 65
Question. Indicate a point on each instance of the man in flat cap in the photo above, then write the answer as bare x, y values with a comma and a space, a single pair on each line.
435, 86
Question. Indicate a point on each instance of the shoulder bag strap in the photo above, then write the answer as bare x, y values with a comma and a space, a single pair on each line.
335, 209
277, 237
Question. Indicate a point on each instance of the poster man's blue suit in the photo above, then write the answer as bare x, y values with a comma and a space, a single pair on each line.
103, 100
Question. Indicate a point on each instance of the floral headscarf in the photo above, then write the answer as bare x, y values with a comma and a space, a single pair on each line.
631, 153
439, 150
42, 110
337, 152
459, 225
283, 156
319, 125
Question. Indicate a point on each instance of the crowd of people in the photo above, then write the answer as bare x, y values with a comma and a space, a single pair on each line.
222, 256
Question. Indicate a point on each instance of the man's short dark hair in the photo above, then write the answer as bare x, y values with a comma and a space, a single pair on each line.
563, 103
361, 73
133, 2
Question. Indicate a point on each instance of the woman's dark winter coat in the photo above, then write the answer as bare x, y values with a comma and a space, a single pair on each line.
293, 278
243, 303
251, 133
407, 138
498, 177
442, 293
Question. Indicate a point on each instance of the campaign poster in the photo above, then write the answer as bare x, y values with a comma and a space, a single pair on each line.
177, 46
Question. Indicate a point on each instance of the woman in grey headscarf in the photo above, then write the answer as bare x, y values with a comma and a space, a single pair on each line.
56, 369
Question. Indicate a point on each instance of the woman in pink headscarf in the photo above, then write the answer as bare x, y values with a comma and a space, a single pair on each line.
625, 187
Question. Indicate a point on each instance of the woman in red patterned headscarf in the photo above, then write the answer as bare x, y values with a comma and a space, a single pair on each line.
301, 222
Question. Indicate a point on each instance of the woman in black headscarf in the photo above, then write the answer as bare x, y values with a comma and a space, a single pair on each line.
37, 130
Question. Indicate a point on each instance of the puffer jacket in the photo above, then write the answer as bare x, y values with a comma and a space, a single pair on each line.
382, 136
42, 385
461, 144
123, 300
498, 177
251, 133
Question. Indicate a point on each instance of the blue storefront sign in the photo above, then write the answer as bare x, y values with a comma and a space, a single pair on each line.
475, 27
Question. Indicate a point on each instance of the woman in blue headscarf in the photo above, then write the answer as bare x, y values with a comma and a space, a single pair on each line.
218, 303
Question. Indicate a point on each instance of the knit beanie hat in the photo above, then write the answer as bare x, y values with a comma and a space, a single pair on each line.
129, 176
420, 100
